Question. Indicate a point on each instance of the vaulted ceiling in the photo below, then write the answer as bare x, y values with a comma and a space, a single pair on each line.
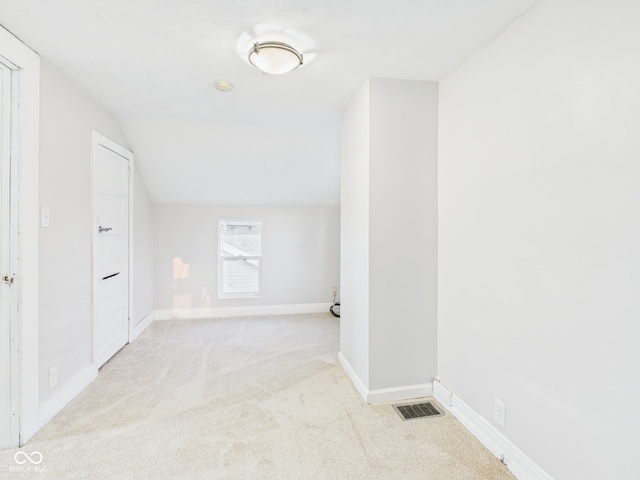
274, 139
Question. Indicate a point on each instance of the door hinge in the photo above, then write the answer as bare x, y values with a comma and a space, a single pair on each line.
8, 279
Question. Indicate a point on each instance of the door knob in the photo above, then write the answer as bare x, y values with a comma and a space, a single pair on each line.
103, 229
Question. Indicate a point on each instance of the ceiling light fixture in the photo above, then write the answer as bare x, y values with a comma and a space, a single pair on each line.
274, 57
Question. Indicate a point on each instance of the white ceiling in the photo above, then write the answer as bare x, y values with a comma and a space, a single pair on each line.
273, 139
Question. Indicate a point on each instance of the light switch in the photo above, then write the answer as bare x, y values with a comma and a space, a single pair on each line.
44, 220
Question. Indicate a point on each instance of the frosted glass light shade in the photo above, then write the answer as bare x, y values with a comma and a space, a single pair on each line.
274, 57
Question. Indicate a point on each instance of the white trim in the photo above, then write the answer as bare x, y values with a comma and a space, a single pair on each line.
140, 327
66, 393
406, 392
221, 312
131, 249
359, 384
111, 145
515, 459
14, 241
28, 61
381, 395
443, 395
10, 242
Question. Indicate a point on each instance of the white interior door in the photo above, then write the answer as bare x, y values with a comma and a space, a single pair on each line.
9, 424
111, 169
5, 325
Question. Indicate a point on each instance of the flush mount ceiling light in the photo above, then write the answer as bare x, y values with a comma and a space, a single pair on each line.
274, 57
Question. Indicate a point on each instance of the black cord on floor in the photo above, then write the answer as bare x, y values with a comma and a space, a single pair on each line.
334, 304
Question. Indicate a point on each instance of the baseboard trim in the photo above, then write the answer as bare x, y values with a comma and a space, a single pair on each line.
406, 392
384, 394
515, 459
66, 393
443, 395
351, 373
222, 312
141, 327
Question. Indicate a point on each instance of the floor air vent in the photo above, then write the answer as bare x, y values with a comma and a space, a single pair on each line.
414, 411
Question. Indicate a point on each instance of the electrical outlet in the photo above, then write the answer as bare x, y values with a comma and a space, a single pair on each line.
334, 290
499, 412
174, 315
53, 377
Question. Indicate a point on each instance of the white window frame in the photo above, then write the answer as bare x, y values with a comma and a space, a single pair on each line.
221, 258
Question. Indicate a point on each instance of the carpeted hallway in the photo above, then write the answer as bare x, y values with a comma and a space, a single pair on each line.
243, 398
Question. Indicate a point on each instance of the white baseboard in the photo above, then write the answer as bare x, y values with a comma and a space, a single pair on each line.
516, 461
66, 393
140, 327
443, 395
222, 312
384, 394
360, 386
73, 387
406, 392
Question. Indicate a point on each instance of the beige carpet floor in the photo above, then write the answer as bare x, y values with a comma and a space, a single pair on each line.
243, 398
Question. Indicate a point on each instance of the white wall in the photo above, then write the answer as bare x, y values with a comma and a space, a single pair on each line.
403, 218
301, 257
539, 236
143, 251
389, 241
354, 238
66, 119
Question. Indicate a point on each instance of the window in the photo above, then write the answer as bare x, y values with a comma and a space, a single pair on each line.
239, 258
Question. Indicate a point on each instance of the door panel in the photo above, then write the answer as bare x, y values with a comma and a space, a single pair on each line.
5, 324
111, 252
109, 328
9, 313
110, 208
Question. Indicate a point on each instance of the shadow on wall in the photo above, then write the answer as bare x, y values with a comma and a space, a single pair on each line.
181, 298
